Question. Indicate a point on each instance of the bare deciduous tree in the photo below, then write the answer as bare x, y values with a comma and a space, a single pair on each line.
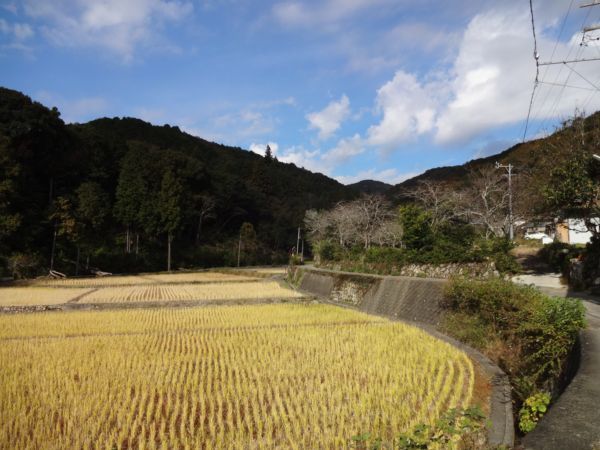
438, 199
373, 212
485, 202
204, 210
389, 233
355, 222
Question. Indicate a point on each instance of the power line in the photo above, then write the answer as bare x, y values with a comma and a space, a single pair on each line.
536, 57
551, 63
562, 28
566, 81
549, 83
584, 78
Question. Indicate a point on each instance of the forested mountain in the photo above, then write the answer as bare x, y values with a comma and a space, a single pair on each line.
370, 187
534, 159
116, 193
113, 193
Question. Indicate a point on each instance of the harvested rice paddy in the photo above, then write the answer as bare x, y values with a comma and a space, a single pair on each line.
265, 376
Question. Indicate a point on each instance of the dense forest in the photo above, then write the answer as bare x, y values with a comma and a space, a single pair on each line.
116, 194
120, 194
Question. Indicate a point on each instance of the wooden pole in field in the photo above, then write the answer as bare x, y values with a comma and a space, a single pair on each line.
239, 249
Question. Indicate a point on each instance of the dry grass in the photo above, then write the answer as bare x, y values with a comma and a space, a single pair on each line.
128, 280
136, 280
199, 277
31, 296
188, 292
270, 376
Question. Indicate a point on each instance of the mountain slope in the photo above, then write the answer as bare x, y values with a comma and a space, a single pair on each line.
370, 187
53, 175
535, 158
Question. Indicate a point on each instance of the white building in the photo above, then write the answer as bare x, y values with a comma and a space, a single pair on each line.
573, 231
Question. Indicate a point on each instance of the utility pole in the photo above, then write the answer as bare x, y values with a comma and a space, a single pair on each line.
584, 41
509, 168
239, 249
53, 246
587, 5
298, 242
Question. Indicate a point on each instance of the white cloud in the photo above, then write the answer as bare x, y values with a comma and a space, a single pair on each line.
261, 148
11, 7
75, 110
119, 26
390, 176
22, 31
344, 150
493, 75
326, 12
244, 124
408, 110
18, 31
493, 147
302, 157
329, 120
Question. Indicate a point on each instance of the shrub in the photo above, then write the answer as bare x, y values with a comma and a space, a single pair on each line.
327, 251
529, 334
558, 254
24, 265
456, 429
295, 260
532, 411
386, 255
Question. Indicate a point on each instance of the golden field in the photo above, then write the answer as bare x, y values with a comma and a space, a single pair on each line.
32, 296
268, 376
134, 280
178, 287
189, 292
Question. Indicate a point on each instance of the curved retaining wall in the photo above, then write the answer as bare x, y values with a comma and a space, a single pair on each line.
417, 301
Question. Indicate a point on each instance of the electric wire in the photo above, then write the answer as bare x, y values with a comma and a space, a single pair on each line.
562, 28
556, 102
536, 57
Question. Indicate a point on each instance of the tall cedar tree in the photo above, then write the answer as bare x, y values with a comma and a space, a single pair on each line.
170, 208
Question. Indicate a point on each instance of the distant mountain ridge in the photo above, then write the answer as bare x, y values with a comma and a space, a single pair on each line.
537, 158
370, 187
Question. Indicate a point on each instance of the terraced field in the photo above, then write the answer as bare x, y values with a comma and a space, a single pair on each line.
136, 280
266, 376
190, 292
168, 288
32, 296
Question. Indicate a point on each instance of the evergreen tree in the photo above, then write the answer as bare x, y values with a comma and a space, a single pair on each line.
268, 154
130, 196
9, 170
170, 208
93, 209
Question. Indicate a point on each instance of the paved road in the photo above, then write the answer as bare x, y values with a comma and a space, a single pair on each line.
573, 422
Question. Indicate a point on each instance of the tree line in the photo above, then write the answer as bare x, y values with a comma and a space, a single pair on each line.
122, 195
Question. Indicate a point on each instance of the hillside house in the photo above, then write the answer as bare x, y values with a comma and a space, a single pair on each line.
573, 231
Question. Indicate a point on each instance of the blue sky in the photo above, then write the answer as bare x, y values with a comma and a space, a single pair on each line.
356, 89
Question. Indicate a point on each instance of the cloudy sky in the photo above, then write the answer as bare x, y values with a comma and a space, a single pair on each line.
356, 89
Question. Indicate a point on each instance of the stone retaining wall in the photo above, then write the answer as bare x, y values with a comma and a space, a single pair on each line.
472, 270
413, 300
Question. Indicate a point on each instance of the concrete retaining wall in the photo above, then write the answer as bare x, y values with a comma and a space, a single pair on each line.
403, 298
417, 301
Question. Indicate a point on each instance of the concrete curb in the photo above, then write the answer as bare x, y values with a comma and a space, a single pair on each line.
378, 298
